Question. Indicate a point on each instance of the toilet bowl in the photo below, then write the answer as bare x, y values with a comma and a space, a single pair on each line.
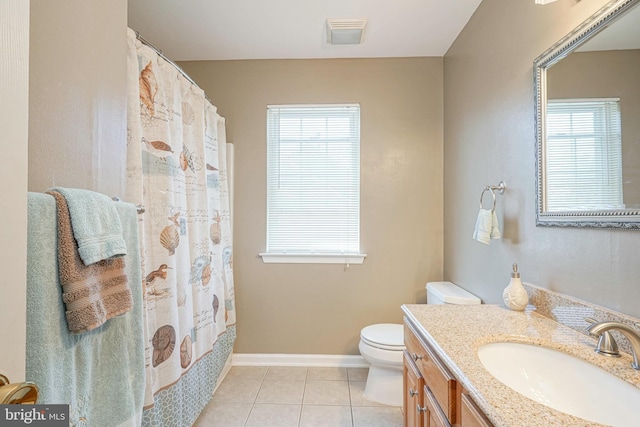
382, 345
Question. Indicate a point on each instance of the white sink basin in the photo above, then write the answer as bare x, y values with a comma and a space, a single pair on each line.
563, 382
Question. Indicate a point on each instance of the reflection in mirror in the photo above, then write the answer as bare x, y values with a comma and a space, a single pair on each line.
588, 123
583, 154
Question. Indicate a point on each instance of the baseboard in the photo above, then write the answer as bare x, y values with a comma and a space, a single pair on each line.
314, 360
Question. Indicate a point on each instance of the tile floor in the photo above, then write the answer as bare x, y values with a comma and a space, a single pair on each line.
253, 396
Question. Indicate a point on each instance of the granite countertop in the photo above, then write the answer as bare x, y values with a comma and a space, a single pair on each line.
457, 331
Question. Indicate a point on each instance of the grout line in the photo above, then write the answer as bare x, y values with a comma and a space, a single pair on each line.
353, 421
350, 400
248, 416
253, 405
302, 403
304, 391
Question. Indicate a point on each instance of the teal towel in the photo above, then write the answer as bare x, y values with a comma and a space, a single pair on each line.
101, 373
96, 224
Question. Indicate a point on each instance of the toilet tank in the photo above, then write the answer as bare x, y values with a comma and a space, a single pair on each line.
448, 293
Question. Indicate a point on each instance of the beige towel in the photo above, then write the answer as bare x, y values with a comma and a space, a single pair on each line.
92, 294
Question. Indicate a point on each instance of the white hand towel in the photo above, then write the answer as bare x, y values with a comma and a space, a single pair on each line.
484, 222
487, 226
495, 227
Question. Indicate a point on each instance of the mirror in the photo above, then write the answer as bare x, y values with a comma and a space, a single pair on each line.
587, 95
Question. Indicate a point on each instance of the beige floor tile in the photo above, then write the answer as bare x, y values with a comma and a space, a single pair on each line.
325, 416
223, 414
287, 373
296, 396
327, 393
356, 391
325, 374
377, 416
274, 415
281, 391
247, 372
238, 390
357, 374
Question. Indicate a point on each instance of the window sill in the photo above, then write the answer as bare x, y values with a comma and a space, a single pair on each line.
312, 258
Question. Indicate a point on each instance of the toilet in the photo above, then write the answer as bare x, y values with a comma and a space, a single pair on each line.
382, 345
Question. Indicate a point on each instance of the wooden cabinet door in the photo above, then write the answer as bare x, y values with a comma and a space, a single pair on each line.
413, 383
471, 415
432, 414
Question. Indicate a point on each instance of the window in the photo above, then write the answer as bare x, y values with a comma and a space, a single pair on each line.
313, 184
583, 155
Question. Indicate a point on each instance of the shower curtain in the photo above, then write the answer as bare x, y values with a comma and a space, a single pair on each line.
176, 168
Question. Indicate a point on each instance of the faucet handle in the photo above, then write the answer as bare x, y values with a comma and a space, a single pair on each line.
607, 345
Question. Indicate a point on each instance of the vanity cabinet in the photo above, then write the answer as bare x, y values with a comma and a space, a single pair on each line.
413, 395
432, 395
438, 394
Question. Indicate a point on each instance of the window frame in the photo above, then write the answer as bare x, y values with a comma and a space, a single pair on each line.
304, 256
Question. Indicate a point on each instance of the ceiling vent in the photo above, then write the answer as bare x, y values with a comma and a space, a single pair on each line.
345, 31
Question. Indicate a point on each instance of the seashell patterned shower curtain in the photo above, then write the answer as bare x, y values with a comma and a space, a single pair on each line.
176, 168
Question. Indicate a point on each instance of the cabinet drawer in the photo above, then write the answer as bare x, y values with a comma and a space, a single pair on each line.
471, 415
436, 377
433, 415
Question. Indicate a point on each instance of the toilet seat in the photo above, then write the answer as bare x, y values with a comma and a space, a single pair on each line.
385, 336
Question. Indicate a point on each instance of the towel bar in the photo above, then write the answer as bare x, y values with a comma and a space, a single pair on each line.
140, 208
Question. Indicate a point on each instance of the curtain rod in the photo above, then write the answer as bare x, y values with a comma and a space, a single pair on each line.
176, 66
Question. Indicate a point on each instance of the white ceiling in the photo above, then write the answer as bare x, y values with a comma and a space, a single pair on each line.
279, 29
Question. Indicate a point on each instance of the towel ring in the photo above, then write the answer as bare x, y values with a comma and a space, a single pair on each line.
487, 188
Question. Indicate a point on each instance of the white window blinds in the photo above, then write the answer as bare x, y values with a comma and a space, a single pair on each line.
583, 155
313, 179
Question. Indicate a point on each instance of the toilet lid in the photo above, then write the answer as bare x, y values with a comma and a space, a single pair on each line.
387, 336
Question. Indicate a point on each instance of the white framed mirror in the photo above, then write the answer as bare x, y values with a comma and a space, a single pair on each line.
587, 101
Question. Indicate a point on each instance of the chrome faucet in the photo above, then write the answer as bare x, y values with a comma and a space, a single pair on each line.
633, 335
607, 345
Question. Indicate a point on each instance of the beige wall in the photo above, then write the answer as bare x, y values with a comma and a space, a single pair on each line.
77, 95
285, 308
489, 136
607, 74
14, 114
65, 124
